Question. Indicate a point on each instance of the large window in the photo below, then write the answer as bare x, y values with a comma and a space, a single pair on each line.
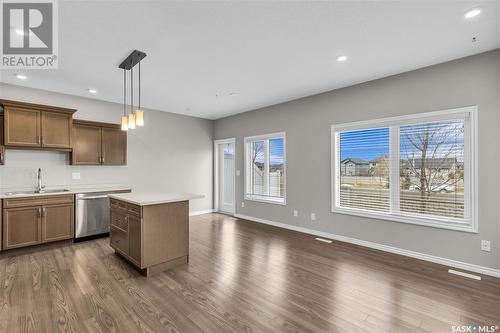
415, 169
265, 168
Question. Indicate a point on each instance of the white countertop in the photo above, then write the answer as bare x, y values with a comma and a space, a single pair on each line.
4, 192
154, 198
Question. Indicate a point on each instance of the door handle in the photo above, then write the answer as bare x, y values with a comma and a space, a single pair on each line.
43, 212
39, 139
39, 212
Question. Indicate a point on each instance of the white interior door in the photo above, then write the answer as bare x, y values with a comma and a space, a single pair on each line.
226, 177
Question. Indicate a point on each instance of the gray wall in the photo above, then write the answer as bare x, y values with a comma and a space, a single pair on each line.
171, 153
470, 81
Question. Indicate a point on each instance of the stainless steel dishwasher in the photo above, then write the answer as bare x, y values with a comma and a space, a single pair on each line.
92, 215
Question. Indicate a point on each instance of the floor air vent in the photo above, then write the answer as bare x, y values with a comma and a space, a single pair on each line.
323, 240
467, 275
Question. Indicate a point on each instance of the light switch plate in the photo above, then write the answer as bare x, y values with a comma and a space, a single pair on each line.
242, 204
75, 175
238, 172
295, 213
313, 216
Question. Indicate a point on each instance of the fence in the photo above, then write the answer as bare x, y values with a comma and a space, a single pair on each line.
275, 182
441, 204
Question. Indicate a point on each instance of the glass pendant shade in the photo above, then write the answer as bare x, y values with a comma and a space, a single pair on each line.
124, 123
139, 117
131, 121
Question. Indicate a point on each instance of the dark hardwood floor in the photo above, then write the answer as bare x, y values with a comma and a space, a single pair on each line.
242, 277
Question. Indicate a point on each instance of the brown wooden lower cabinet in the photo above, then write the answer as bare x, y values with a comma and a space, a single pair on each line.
21, 227
134, 248
153, 237
36, 220
57, 222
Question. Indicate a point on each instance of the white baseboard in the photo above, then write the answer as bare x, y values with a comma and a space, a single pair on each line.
377, 246
201, 212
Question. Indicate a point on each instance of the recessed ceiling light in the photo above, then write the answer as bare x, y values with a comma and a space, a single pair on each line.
92, 91
341, 58
21, 76
472, 13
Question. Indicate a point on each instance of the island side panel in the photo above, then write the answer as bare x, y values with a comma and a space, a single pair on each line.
165, 232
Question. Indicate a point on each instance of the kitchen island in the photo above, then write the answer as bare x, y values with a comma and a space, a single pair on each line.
151, 230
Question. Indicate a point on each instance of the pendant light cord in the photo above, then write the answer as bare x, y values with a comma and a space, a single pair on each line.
132, 90
139, 85
124, 92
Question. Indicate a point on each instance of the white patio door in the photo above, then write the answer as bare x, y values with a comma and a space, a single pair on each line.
225, 177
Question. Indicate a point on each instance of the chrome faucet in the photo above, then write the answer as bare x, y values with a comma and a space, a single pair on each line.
40, 187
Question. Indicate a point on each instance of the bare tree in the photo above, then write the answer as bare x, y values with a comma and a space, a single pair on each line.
427, 151
257, 150
381, 169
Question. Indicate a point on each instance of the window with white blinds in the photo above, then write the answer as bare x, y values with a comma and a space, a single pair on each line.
416, 169
265, 168
364, 169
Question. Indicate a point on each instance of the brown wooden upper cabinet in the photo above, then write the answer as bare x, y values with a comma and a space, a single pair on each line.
96, 143
29, 125
2, 147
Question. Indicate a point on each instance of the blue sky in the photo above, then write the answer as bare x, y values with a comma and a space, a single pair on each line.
276, 151
365, 144
371, 144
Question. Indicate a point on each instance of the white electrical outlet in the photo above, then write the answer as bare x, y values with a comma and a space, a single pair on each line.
486, 245
295, 213
313, 216
238, 172
75, 175
242, 204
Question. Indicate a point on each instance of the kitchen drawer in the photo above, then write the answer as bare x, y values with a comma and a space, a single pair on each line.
117, 204
134, 209
118, 220
125, 207
38, 201
119, 240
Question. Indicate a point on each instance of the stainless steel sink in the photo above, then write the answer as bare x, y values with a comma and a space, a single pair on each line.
62, 190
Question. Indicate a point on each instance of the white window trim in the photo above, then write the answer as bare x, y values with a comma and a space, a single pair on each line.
470, 163
259, 198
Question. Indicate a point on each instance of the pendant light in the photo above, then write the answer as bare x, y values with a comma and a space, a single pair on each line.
139, 113
124, 117
131, 116
134, 118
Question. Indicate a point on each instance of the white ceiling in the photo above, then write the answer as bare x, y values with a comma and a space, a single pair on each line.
267, 52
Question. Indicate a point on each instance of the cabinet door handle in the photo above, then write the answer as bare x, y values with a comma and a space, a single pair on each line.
39, 212
39, 139
42, 140
43, 212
